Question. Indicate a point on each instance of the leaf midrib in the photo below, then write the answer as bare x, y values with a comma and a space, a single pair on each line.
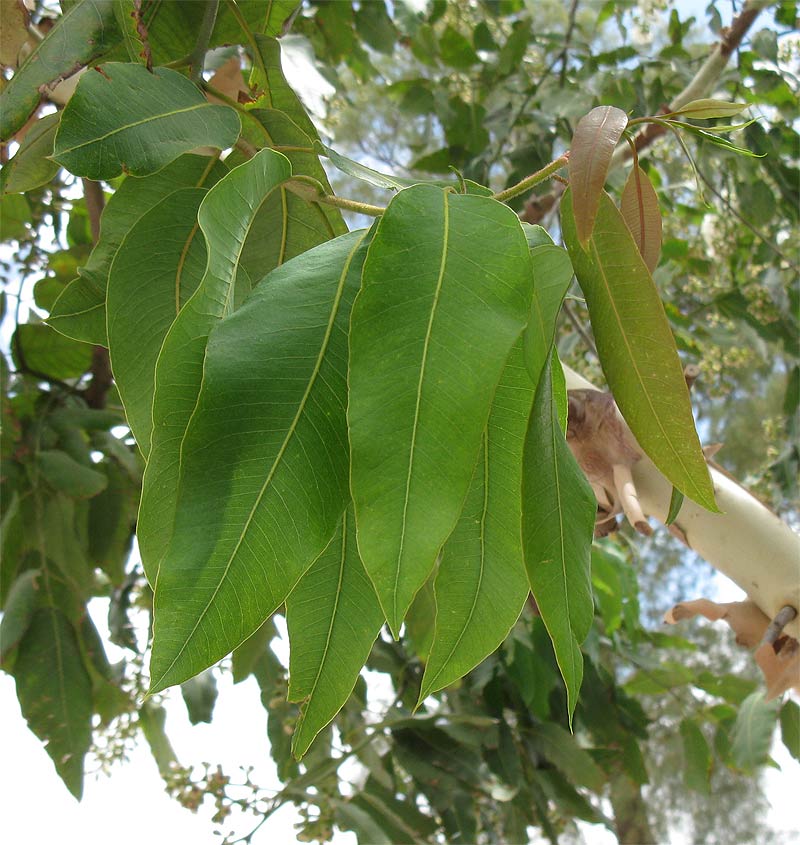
431, 685
442, 264
635, 367
117, 130
329, 635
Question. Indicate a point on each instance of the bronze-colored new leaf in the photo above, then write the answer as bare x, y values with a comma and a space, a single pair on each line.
593, 143
639, 207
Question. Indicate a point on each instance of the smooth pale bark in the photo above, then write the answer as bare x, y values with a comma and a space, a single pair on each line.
746, 541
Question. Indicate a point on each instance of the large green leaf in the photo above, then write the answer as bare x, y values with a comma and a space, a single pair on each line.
31, 165
333, 618
446, 292
592, 148
264, 471
637, 350
790, 727
124, 119
166, 249
80, 311
481, 583
558, 512
226, 217
84, 33
55, 693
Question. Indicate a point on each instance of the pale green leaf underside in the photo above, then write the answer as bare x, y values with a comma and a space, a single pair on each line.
264, 470
126, 119
552, 274
225, 217
558, 513
333, 617
445, 293
166, 248
80, 310
481, 583
637, 350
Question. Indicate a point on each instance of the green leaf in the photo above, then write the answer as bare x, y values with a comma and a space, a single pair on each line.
706, 109
558, 512
552, 274
445, 293
80, 311
399, 821
55, 693
369, 175
81, 35
124, 119
273, 400
333, 618
790, 727
18, 610
31, 166
50, 353
200, 696
481, 584
456, 51
608, 591
562, 749
272, 89
166, 248
675, 505
288, 225
15, 213
375, 26
696, 757
226, 217
65, 474
637, 350
639, 208
752, 731
713, 138
596, 136
126, 14
246, 657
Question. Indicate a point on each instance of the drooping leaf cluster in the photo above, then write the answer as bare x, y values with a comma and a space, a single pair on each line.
354, 428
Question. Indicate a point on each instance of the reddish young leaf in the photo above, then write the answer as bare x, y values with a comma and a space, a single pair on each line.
593, 144
639, 207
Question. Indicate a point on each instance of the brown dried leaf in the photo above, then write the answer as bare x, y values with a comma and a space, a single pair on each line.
13, 31
593, 143
639, 207
229, 80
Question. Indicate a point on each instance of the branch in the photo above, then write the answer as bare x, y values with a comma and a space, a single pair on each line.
197, 57
745, 541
